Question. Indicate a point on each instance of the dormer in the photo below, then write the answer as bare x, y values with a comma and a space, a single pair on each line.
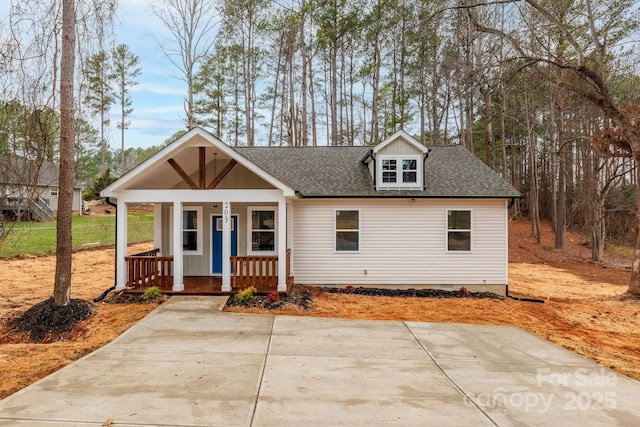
397, 163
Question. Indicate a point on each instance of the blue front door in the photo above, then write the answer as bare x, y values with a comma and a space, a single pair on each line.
216, 253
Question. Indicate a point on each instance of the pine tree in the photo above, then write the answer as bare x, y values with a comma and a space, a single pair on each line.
126, 69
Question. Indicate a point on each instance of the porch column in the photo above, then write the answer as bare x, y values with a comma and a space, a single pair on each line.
121, 246
178, 283
282, 245
157, 226
226, 246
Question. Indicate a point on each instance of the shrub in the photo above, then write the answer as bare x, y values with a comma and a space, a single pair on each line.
151, 294
246, 296
463, 291
349, 289
274, 296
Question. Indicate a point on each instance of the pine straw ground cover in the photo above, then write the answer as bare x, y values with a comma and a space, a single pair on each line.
584, 310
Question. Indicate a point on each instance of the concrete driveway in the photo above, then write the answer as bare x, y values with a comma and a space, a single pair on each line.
189, 364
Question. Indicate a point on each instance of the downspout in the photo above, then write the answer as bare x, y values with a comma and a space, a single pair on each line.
522, 299
424, 169
375, 173
115, 268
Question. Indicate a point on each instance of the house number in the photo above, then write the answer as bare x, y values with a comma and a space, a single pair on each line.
225, 211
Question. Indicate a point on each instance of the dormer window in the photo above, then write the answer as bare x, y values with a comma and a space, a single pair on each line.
398, 163
409, 171
389, 171
400, 171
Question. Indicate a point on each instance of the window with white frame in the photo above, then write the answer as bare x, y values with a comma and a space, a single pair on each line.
347, 230
192, 230
458, 230
389, 171
400, 171
53, 191
409, 171
262, 230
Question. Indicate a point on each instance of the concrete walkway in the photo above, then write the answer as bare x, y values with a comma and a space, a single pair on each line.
189, 364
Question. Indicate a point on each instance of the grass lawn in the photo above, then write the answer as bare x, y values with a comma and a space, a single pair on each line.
35, 238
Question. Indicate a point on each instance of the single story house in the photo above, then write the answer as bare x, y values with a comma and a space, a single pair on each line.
29, 189
398, 214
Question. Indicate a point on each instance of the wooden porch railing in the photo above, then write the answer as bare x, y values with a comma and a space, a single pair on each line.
258, 271
146, 269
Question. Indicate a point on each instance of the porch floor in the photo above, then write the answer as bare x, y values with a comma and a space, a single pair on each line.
206, 285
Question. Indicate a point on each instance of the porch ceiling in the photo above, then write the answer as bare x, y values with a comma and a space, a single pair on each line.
163, 176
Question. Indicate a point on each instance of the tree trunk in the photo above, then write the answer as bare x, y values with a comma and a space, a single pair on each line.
375, 87
488, 127
634, 281
62, 286
304, 131
534, 209
312, 97
598, 232
562, 180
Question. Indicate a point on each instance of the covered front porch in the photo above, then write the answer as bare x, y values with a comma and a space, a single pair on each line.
147, 269
218, 218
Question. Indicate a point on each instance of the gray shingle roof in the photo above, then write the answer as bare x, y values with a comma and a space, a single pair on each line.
15, 170
451, 171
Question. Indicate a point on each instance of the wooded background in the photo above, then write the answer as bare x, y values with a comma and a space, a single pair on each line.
527, 86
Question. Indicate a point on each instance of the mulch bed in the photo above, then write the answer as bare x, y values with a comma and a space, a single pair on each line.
131, 298
299, 296
45, 318
411, 293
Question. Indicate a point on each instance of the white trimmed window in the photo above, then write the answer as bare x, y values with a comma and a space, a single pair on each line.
459, 230
262, 228
192, 230
400, 171
347, 230
53, 191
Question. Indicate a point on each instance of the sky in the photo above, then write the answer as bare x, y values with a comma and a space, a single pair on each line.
158, 99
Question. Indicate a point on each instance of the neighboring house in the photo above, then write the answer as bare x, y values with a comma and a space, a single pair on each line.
397, 215
29, 189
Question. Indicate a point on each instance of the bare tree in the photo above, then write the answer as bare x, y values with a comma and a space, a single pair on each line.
193, 26
588, 35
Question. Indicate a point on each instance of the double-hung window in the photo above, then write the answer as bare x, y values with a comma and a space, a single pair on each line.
262, 230
458, 230
400, 171
389, 171
409, 171
192, 230
347, 230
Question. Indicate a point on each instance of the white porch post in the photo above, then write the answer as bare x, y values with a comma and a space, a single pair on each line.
178, 283
121, 247
157, 225
282, 245
226, 246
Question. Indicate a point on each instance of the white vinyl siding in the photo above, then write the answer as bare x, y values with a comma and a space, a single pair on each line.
402, 242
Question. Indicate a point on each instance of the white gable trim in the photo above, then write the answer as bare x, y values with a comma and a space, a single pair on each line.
405, 137
187, 139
